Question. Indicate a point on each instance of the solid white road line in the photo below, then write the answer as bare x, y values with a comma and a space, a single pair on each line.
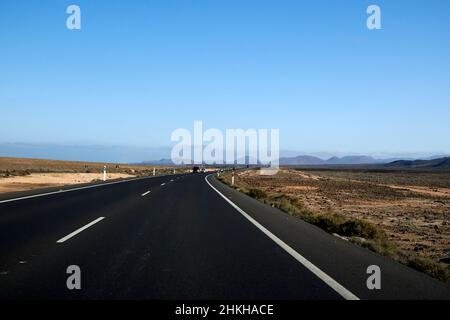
74, 189
145, 193
345, 293
79, 230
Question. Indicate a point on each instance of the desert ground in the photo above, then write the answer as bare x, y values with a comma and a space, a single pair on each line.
43, 180
412, 208
20, 174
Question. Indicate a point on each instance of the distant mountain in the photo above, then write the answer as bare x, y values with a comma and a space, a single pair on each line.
431, 157
156, 162
440, 163
311, 160
353, 160
301, 160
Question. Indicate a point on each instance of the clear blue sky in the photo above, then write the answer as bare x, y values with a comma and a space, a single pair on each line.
137, 70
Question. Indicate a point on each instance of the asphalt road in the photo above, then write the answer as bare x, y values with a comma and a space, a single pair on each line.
183, 237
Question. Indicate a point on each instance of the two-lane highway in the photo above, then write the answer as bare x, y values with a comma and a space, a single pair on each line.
182, 237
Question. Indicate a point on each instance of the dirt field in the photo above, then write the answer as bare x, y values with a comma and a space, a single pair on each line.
18, 166
43, 180
18, 174
413, 208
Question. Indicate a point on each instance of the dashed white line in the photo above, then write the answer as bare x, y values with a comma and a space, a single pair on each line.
162, 184
345, 293
70, 235
145, 193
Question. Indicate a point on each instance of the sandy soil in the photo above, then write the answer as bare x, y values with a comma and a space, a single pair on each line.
17, 165
42, 180
438, 192
413, 208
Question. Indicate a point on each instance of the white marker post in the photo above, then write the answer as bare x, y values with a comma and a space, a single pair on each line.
104, 173
154, 171
232, 179
173, 171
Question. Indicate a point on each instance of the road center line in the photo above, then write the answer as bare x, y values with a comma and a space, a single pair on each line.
145, 193
162, 184
79, 230
346, 294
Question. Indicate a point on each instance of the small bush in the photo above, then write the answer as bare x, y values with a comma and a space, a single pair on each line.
330, 223
362, 229
257, 193
435, 269
380, 246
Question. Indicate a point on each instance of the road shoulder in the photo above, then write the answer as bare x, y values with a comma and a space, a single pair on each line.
343, 261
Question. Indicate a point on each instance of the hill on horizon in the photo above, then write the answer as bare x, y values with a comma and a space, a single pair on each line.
440, 163
346, 160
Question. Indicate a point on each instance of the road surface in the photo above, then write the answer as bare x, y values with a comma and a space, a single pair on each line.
182, 237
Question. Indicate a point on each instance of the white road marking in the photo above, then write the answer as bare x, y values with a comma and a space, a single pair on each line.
145, 193
74, 189
171, 180
345, 293
162, 184
79, 230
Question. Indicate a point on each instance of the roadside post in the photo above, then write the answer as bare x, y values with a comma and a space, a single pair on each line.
104, 173
154, 171
232, 179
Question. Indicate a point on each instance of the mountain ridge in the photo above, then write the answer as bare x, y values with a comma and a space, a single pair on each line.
439, 163
346, 160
